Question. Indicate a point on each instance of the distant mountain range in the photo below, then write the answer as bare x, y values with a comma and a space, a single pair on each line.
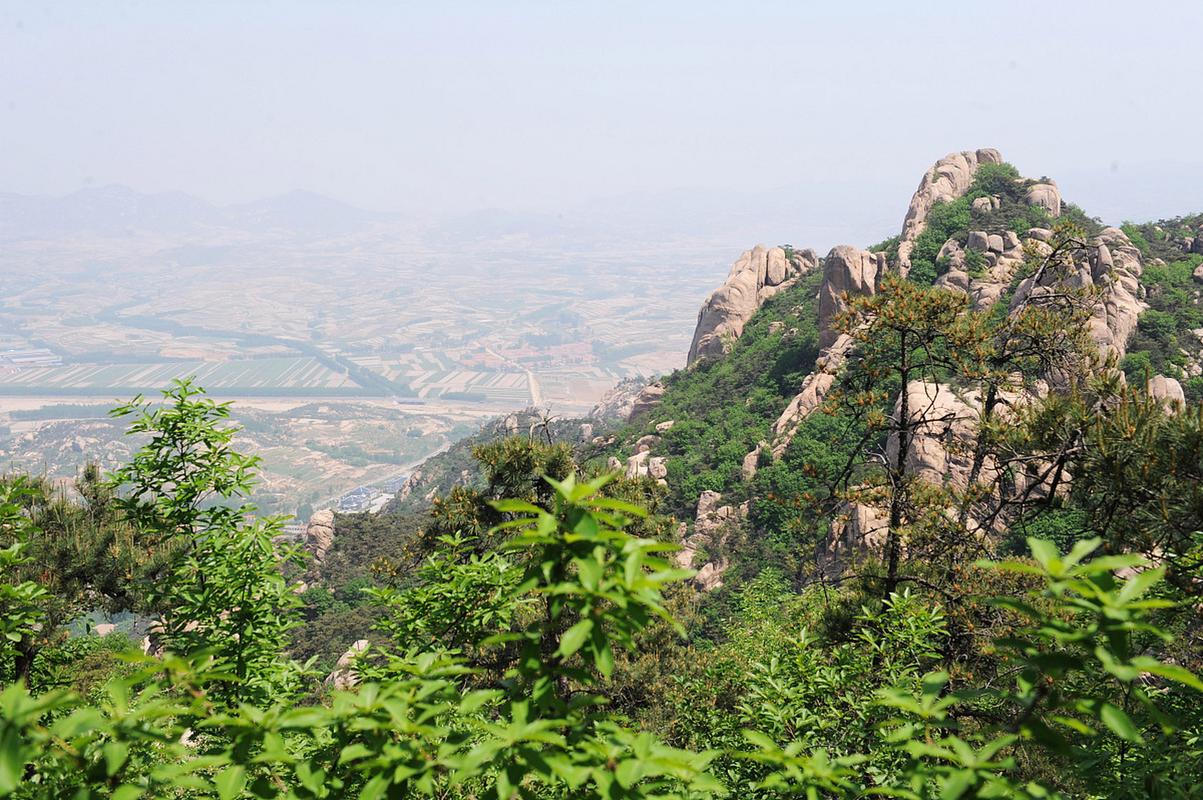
837, 208
117, 210
780, 214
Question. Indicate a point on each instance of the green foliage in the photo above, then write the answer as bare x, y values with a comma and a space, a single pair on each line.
1137, 366
1166, 328
1137, 238
1192, 390
529, 638
905, 334
1164, 239
1140, 480
495, 676
996, 179
975, 263
224, 593
83, 664
1073, 215
1158, 325
1003, 184
889, 247
20, 600
806, 477
954, 219
600, 585
418, 731
180, 481
1064, 527
457, 600
1077, 652
723, 407
81, 553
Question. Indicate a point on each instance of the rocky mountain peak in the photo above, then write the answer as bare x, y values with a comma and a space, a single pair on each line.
947, 180
967, 229
755, 276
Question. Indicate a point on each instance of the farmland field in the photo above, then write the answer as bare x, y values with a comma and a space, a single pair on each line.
300, 374
348, 357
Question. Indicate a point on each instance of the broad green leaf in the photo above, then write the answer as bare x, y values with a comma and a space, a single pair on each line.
512, 506
574, 637
957, 784
230, 781
1046, 555
12, 762
374, 789
1173, 672
115, 755
591, 572
1080, 550
605, 660
582, 523
127, 791
353, 752
1119, 722
1140, 583
629, 772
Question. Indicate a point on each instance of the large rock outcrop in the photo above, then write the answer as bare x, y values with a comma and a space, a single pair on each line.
713, 525
847, 272
948, 179
856, 529
1047, 196
1001, 255
647, 399
942, 424
939, 416
344, 677
1111, 266
1115, 267
943, 418
319, 534
616, 404
757, 275
1167, 390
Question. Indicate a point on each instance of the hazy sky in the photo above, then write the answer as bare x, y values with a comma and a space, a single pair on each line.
451, 106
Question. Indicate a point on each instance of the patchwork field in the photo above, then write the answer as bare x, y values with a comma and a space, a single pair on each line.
410, 340
247, 375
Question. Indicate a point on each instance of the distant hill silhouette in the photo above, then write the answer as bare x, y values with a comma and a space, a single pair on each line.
117, 210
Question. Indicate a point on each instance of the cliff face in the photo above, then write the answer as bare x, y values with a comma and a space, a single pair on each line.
948, 179
847, 272
755, 276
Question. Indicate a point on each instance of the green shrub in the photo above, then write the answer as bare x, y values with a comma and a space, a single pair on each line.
722, 407
945, 221
995, 179
1064, 527
1137, 367
1175, 311
1137, 238
1158, 324
975, 263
